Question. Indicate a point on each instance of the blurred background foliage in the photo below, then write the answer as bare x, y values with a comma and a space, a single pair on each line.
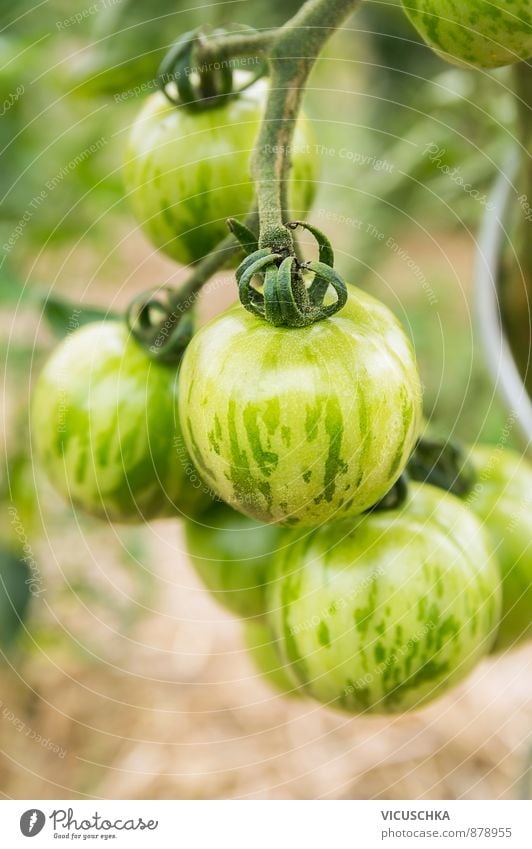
400, 133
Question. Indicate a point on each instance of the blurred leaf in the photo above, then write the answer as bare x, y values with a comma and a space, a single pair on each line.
63, 315
14, 595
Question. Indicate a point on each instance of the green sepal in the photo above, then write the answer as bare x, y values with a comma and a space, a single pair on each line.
442, 464
325, 249
246, 237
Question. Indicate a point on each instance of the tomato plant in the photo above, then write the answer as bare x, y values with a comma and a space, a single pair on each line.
502, 499
386, 612
298, 426
187, 172
474, 32
106, 430
231, 554
301, 406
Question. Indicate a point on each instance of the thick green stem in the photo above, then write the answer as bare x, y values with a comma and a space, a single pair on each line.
225, 47
212, 263
291, 57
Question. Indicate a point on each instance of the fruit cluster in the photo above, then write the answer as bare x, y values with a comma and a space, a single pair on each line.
286, 449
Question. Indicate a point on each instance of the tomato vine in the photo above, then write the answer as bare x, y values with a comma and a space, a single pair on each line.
290, 53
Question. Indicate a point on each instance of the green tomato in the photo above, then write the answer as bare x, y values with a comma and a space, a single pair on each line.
187, 172
502, 498
482, 33
106, 431
298, 425
231, 554
265, 658
384, 613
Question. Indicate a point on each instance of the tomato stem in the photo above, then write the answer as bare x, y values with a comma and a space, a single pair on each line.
291, 52
291, 57
215, 260
219, 48
165, 331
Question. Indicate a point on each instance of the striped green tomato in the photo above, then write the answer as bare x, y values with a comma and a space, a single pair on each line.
187, 172
266, 660
231, 554
298, 425
385, 612
105, 428
502, 498
481, 33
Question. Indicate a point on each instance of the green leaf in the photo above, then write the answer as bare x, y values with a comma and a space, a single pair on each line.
14, 595
64, 316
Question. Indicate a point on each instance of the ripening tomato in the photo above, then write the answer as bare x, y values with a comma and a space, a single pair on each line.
106, 430
479, 33
385, 612
187, 172
301, 425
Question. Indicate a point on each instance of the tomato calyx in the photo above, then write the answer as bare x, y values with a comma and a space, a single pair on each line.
162, 322
275, 285
245, 236
188, 83
443, 464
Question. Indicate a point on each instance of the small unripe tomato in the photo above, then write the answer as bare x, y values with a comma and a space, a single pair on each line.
478, 33
106, 430
187, 172
301, 425
383, 613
